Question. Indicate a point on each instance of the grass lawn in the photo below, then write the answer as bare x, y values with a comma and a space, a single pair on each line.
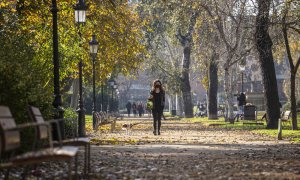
88, 119
287, 133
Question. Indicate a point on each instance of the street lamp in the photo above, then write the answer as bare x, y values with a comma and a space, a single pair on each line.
59, 113
111, 83
242, 66
115, 88
80, 14
102, 96
93, 50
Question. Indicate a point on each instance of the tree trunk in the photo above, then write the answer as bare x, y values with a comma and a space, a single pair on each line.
74, 97
213, 88
170, 103
264, 47
186, 42
293, 71
179, 104
228, 96
293, 101
185, 87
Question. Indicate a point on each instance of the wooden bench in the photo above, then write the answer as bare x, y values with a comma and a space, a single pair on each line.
11, 141
36, 116
285, 117
103, 118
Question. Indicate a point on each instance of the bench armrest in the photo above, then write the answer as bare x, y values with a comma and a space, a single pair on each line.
34, 124
56, 122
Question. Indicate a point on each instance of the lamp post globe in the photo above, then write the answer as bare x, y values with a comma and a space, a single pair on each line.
93, 50
80, 18
80, 11
94, 45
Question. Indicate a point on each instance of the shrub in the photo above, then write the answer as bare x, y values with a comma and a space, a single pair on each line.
70, 113
70, 123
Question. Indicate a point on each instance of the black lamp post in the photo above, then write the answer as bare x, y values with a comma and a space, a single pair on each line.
111, 83
80, 17
117, 99
114, 88
107, 106
93, 50
102, 97
59, 113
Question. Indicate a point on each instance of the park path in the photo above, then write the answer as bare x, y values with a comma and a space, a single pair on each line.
189, 150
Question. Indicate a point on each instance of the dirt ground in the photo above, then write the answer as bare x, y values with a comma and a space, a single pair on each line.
184, 150
188, 150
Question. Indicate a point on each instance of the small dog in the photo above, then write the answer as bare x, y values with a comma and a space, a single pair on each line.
128, 127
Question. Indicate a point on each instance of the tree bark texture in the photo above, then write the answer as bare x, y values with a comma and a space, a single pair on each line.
293, 101
75, 97
179, 105
229, 96
185, 87
264, 47
213, 88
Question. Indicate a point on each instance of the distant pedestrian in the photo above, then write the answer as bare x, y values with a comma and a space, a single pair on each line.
157, 95
128, 107
241, 102
140, 109
134, 109
144, 109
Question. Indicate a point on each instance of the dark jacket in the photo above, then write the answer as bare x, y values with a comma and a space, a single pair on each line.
158, 102
242, 99
128, 105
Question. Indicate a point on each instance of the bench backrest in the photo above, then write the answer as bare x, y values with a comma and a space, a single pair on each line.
9, 139
286, 115
37, 117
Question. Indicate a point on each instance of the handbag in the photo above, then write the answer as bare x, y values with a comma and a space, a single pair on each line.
149, 104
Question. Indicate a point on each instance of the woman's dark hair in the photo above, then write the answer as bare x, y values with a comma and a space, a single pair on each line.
160, 87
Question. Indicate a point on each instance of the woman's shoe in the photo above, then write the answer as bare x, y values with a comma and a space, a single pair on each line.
154, 132
158, 133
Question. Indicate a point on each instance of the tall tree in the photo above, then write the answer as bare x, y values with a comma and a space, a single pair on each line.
116, 26
264, 48
290, 22
228, 18
207, 47
186, 42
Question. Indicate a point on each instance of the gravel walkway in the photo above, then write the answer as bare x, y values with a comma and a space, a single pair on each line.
184, 150
188, 150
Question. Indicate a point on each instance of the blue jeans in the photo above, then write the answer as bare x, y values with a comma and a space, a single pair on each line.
241, 110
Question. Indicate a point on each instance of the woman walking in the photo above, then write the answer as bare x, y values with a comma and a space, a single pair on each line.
157, 96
